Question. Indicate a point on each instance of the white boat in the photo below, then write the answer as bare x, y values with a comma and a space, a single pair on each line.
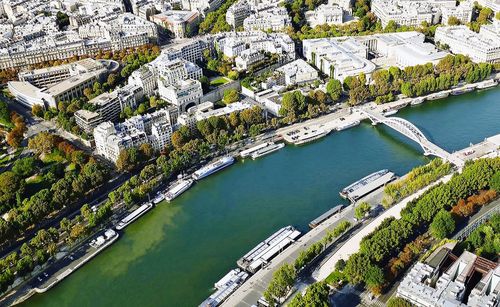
417, 101
367, 184
225, 287
308, 135
159, 197
211, 168
348, 125
248, 152
390, 112
134, 216
177, 189
267, 150
462, 90
266, 250
440, 95
487, 84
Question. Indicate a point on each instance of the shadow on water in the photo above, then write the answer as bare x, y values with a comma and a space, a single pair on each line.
396, 140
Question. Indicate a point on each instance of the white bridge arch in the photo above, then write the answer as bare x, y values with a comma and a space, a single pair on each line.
412, 132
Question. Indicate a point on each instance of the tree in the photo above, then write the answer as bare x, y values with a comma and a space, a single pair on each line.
37, 110
42, 143
87, 92
398, 302
65, 225
62, 191
356, 267
230, 96
316, 295
334, 89
340, 265
495, 182
283, 280
123, 161
11, 185
62, 20
453, 21
111, 80
15, 136
361, 210
391, 26
374, 279
442, 225
79, 158
77, 231
146, 150
178, 139
24, 167
233, 75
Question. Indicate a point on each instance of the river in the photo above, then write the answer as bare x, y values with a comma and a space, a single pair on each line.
173, 255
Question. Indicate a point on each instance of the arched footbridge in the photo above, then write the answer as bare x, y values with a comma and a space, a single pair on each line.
412, 132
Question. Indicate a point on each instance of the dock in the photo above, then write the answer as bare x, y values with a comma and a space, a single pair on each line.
225, 287
367, 185
314, 223
260, 255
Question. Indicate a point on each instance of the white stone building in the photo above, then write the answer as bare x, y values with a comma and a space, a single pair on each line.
247, 58
183, 94
108, 107
338, 58
297, 72
275, 19
402, 49
180, 23
329, 14
480, 47
154, 129
414, 12
232, 44
237, 13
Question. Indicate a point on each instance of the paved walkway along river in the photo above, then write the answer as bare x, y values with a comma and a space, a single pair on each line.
173, 255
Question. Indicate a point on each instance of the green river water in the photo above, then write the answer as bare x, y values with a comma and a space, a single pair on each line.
173, 255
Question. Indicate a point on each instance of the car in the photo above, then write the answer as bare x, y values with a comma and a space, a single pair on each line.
71, 257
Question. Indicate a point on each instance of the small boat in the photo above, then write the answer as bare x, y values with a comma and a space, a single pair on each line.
177, 189
440, 95
267, 150
348, 125
390, 112
417, 101
487, 84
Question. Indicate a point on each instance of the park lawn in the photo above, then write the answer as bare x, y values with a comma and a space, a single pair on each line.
70, 167
218, 82
34, 179
34, 184
52, 157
